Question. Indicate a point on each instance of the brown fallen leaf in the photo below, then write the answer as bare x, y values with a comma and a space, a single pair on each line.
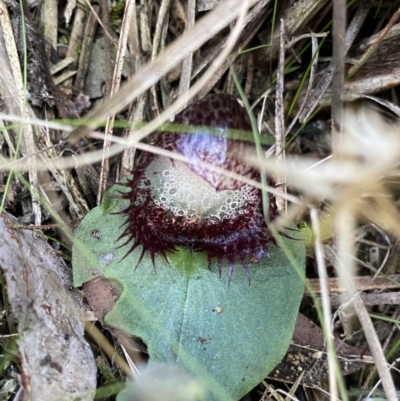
101, 295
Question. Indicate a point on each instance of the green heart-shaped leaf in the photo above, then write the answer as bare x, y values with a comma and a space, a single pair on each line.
227, 335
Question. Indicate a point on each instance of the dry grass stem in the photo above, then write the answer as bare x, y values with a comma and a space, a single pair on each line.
326, 307
105, 345
361, 283
280, 131
186, 74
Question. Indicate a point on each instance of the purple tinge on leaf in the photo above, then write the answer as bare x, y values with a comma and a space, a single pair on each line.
172, 203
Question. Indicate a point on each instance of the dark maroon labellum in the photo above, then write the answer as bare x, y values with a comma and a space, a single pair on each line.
176, 204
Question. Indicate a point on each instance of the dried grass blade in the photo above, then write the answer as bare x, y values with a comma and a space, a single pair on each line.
280, 179
184, 83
